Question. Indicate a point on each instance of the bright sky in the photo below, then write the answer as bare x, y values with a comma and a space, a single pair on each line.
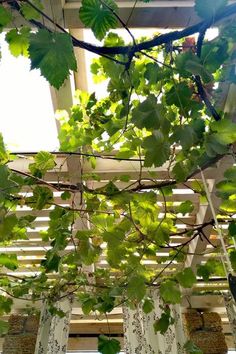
26, 113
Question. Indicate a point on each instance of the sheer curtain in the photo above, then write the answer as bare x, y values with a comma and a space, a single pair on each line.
54, 330
231, 312
139, 334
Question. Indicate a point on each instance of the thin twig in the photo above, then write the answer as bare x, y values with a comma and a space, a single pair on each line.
83, 154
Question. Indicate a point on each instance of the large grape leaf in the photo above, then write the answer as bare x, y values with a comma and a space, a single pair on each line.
108, 346
53, 54
44, 161
208, 8
157, 149
42, 198
97, 15
147, 114
162, 324
186, 278
170, 292
226, 131
136, 288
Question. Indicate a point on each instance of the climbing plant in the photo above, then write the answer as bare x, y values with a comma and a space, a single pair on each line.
163, 106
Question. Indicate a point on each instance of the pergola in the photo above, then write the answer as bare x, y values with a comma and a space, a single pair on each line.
70, 170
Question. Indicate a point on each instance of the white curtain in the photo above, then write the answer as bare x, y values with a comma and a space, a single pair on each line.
54, 330
231, 312
139, 334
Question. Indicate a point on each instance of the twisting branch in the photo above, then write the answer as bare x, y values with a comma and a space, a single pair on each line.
201, 91
154, 279
145, 45
74, 188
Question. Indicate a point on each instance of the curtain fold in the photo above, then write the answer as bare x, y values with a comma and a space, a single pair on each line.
54, 330
139, 334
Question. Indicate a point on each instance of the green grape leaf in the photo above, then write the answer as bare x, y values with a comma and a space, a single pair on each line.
113, 39
179, 95
105, 304
4, 156
4, 326
7, 185
184, 134
54, 311
208, 8
108, 346
196, 68
42, 198
124, 178
52, 53
182, 59
169, 292
191, 348
29, 12
204, 272
157, 149
153, 73
186, 278
87, 303
214, 54
9, 261
5, 304
232, 229
147, 114
65, 195
227, 187
188, 63
18, 41
98, 16
162, 324
232, 257
88, 252
228, 205
5, 17
212, 266
51, 262
185, 207
7, 225
43, 161
148, 306
230, 173
180, 172
226, 131
136, 288
214, 146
